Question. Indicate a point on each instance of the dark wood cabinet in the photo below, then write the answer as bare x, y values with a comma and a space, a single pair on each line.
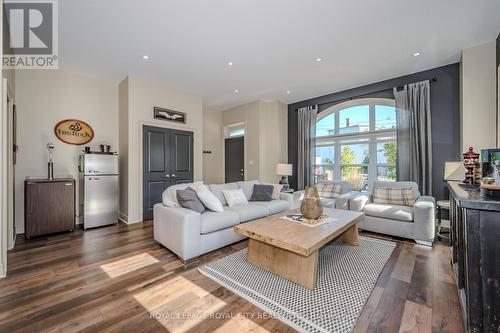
475, 246
49, 206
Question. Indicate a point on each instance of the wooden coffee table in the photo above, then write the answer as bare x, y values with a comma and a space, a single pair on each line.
290, 249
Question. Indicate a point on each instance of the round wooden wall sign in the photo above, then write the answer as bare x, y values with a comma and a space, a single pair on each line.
74, 132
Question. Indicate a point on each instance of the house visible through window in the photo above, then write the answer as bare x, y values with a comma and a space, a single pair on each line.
356, 142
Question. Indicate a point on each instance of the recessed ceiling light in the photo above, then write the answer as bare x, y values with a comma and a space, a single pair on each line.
319, 59
236, 91
288, 92
230, 63
416, 54
145, 57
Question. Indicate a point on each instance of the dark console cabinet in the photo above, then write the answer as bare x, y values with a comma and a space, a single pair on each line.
475, 246
49, 206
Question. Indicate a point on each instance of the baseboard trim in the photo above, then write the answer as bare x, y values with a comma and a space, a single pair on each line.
134, 222
3, 273
123, 217
13, 242
19, 229
129, 219
424, 243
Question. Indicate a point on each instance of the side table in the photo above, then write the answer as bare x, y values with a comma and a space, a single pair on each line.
440, 205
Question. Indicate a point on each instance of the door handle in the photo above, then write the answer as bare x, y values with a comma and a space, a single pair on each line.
167, 176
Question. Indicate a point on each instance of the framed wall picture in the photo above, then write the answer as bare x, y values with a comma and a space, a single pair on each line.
169, 115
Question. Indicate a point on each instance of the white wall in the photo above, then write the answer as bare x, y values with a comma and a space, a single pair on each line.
478, 97
265, 140
273, 139
143, 96
45, 97
249, 115
212, 141
10, 75
123, 145
116, 113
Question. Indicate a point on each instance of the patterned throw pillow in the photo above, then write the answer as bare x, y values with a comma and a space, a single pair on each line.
235, 197
329, 190
404, 196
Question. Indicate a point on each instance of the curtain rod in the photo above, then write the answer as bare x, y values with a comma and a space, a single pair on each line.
434, 79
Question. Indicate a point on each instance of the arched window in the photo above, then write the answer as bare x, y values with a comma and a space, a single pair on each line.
356, 142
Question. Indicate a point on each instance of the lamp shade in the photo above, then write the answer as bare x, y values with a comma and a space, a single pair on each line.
454, 171
283, 169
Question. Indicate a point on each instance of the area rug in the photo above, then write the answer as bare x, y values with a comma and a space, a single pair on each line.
346, 277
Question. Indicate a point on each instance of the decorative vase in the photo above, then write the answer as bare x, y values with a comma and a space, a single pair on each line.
311, 205
470, 160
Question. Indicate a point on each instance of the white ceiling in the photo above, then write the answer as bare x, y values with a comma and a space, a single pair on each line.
272, 44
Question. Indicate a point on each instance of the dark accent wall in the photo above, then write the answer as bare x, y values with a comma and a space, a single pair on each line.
445, 113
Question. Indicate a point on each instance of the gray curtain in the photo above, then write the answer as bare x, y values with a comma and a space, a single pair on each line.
414, 153
306, 146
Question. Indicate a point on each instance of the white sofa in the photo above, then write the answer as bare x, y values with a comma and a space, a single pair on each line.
340, 202
417, 222
190, 234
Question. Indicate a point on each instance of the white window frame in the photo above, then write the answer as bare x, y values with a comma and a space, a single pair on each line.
233, 128
372, 137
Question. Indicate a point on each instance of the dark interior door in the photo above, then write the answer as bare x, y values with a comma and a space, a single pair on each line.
156, 167
234, 159
167, 160
182, 157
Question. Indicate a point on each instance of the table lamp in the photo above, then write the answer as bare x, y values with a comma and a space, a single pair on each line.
284, 170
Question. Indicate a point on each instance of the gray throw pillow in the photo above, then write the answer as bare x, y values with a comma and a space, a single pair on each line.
189, 199
262, 192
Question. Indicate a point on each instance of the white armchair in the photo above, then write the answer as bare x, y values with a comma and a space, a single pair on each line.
416, 222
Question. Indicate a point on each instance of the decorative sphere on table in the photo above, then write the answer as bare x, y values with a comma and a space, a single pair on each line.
311, 204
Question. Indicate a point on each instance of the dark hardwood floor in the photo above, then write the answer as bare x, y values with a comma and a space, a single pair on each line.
111, 279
